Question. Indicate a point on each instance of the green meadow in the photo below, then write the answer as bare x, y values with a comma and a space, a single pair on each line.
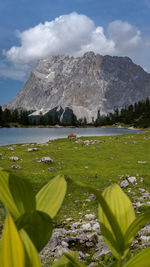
99, 164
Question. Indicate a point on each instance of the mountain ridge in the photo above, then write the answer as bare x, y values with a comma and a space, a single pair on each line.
90, 86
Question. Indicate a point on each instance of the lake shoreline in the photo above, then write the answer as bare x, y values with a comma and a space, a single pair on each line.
9, 136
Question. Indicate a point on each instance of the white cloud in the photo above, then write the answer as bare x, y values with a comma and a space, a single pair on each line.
71, 34
125, 36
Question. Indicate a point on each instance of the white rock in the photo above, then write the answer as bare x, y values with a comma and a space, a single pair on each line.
132, 179
14, 158
124, 184
86, 227
90, 216
47, 160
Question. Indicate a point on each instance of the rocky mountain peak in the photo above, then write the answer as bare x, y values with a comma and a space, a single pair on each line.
87, 85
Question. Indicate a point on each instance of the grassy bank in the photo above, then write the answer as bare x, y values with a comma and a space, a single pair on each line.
99, 164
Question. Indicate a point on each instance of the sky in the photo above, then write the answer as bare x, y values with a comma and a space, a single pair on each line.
37, 29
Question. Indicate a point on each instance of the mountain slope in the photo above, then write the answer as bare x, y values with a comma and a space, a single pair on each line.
88, 85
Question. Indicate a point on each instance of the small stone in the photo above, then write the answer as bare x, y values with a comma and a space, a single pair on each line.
145, 239
96, 227
89, 244
142, 190
15, 167
51, 169
47, 160
10, 148
86, 227
124, 184
32, 149
38, 160
86, 167
64, 244
90, 216
132, 179
14, 158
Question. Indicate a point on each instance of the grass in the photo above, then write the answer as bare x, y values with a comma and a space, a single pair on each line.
100, 164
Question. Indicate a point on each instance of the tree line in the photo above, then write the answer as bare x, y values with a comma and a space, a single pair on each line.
137, 115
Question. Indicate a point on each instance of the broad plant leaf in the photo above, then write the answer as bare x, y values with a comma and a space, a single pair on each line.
62, 262
140, 260
74, 260
49, 199
69, 260
12, 250
32, 257
38, 226
136, 225
115, 227
122, 208
22, 194
6, 196
16, 194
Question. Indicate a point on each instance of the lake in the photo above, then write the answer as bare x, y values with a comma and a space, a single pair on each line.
40, 135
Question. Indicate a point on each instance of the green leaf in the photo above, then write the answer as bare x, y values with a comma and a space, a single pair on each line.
114, 228
69, 260
73, 259
12, 250
136, 225
62, 262
32, 257
38, 226
49, 199
16, 194
122, 209
6, 196
22, 194
140, 260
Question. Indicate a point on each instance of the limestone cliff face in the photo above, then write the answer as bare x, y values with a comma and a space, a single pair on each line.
86, 85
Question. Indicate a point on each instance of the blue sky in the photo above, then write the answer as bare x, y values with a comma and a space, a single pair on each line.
30, 30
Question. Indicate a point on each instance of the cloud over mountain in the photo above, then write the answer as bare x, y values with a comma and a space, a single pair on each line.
72, 34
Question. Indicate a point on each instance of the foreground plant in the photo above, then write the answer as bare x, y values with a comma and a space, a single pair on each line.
119, 224
28, 224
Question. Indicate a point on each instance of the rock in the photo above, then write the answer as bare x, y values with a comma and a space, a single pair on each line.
89, 244
90, 216
145, 239
15, 167
101, 252
137, 204
142, 162
32, 149
96, 227
92, 197
144, 231
142, 190
86, 227
124, 184
38, 160
64, 244
10, 148
47, 160
14, 158
60, 250
132, 179
51, 169
78, 84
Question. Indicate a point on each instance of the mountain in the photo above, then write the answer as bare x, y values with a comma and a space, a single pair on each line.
90, 86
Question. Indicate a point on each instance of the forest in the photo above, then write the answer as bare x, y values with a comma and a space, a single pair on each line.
136, 115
